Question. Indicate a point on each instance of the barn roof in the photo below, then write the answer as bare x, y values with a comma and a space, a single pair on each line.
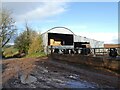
61, 30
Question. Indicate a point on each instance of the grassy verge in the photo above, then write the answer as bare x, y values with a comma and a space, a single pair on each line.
33, 55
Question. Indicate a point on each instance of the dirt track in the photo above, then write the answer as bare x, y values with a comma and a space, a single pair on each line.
61, 74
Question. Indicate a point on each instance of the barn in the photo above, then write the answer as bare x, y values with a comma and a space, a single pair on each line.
62, 37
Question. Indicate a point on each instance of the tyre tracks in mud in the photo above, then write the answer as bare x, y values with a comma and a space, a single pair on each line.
74, 73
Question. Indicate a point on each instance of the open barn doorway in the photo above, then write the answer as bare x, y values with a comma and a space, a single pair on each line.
56, 39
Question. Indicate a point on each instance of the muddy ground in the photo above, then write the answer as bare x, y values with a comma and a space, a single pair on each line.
56, 74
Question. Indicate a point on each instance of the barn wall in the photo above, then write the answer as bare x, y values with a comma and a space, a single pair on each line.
45, 41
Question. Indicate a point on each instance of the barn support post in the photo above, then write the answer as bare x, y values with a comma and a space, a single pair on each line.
94, 52
51, 49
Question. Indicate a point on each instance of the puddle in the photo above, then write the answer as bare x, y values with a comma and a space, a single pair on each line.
80, 84
27, 80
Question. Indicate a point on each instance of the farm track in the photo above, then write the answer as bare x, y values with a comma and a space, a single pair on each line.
61, 74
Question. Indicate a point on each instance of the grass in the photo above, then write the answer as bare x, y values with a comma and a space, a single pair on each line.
10, 51
33, 55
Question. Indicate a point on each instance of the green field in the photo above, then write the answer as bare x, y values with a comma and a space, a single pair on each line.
10, 51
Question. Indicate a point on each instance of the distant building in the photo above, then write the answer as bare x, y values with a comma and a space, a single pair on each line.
63, 37
117, 46
112, 45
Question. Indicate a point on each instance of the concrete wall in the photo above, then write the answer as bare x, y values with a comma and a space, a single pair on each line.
89, 60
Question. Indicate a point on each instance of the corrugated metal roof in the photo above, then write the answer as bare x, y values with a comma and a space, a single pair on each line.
61, 30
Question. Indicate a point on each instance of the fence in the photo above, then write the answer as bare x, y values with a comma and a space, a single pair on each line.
83, 51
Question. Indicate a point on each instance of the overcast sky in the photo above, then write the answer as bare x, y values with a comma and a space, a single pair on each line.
96, 20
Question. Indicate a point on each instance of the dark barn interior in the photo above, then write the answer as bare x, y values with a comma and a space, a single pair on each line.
65, 39
80, 44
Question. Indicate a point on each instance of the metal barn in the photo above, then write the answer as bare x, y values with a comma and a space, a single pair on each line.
63, 37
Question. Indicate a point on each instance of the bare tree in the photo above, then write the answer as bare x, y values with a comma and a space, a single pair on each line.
7, 26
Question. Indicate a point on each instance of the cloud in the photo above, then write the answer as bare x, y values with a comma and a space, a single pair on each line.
46, 10
110, 38
115, 41
19, 8
86, 31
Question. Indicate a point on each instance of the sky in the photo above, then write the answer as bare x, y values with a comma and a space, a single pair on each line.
95, 20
